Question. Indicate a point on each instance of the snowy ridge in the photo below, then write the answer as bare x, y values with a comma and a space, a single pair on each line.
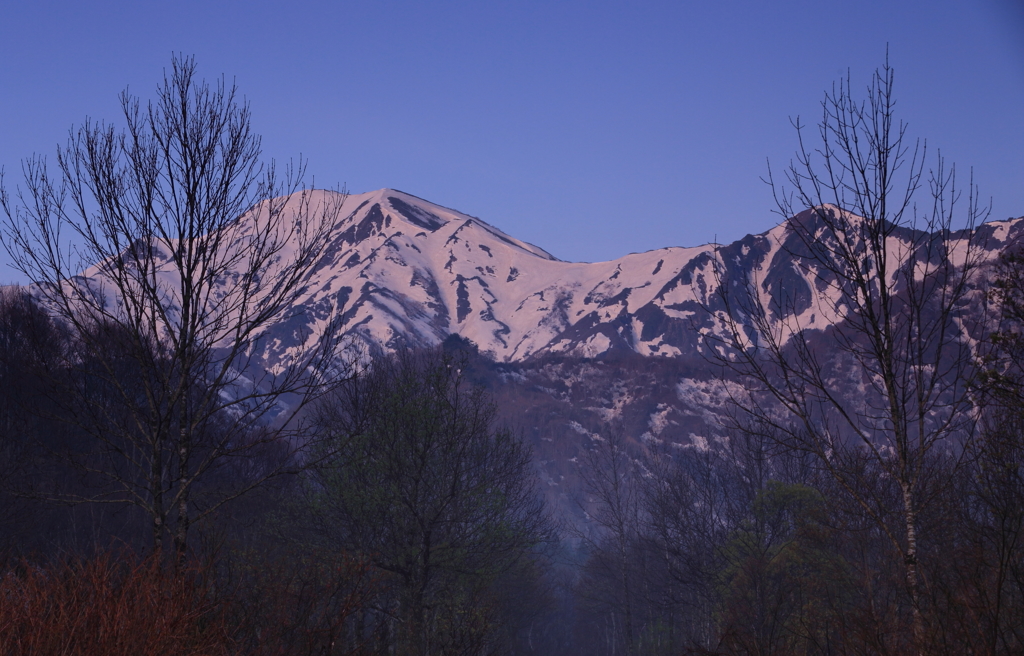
402, 271
406, 272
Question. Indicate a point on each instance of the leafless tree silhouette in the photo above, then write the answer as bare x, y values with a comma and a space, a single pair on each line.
196, 249
887, 311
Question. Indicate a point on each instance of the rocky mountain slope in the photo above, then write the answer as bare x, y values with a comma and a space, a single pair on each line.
406, 272
569, 349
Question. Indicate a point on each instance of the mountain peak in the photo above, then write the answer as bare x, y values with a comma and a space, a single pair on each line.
403, 271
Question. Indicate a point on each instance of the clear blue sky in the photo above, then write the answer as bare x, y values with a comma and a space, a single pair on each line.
589, 128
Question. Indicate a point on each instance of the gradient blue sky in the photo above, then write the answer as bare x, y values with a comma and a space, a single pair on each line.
590, 128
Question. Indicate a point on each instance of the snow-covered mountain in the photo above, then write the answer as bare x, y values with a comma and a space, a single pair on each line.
406, 272
570, 348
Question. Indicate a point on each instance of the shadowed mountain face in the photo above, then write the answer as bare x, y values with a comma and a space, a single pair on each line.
569, 348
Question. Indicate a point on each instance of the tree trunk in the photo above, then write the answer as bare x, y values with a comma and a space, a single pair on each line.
157, 489
910, 564
627, 594
181, 529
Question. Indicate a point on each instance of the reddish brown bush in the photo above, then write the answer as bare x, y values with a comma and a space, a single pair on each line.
109, 606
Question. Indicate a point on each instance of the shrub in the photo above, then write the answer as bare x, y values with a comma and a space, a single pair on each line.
109, 606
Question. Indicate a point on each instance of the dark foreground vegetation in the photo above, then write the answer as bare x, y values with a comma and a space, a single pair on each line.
415, 530
160, 495
411, 525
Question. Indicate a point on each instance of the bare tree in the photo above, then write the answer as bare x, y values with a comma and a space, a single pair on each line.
197, 248
887, 311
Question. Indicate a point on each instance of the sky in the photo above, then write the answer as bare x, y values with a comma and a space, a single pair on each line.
590, 128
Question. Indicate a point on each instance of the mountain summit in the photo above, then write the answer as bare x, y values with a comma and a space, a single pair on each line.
406, 272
